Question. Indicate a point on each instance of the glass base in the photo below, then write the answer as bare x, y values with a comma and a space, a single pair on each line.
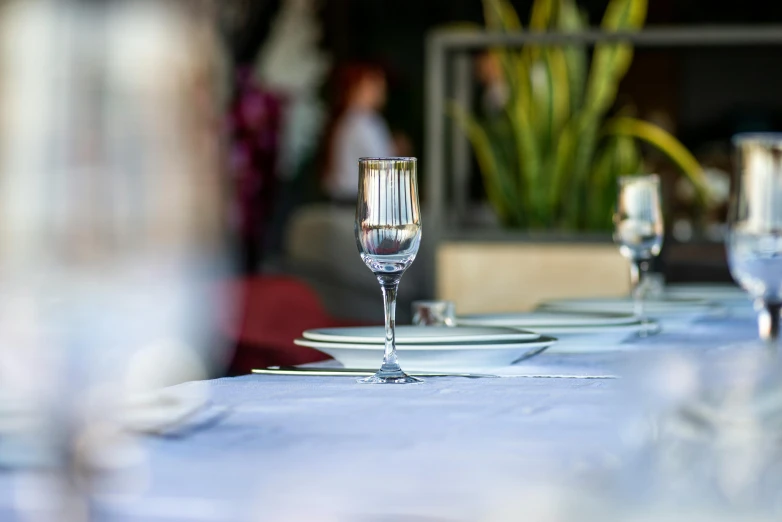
382, 377
649, 329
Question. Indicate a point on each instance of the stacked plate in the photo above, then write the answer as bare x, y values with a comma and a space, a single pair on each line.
713, 291
734, 299
576, 332
673, 313
430, 348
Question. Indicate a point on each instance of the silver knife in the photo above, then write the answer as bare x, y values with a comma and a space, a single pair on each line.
295, 370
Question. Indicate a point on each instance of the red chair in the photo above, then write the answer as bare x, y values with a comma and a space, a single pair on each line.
273, 311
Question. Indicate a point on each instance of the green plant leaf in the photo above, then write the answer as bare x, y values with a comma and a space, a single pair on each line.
539, 21
495, 175
492, 15
542, 101
628, 156
603, 170
624, 15
556, 62
562, 163
665, 143
610, 61
551, 158
519, 109
526, 149
500, 16
569, 20
541, 13
510, 19
586, 128
617, 157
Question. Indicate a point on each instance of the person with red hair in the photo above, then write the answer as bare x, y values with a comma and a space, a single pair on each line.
356, 129
320, 243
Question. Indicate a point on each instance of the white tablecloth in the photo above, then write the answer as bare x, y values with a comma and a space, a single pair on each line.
325, 448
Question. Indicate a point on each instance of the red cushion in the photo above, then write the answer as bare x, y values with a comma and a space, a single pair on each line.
272, 312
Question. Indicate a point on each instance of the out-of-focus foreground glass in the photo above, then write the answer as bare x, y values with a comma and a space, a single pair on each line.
704, 444
755, 237
110, 220
638, 228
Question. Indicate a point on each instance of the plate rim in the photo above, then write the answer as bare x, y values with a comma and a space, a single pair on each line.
697, 305
511, 334
587, 330
541, 340
628, 319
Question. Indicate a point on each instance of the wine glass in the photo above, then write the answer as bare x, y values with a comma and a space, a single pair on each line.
112, 253
388, 234
638, 229
755, 237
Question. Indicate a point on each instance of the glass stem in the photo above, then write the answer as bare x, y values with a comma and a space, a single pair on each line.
638, 268
768, 321
390, 284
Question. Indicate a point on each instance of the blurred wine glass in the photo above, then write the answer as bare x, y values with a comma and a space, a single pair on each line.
638, 229
388, 234
755, 231
110, 220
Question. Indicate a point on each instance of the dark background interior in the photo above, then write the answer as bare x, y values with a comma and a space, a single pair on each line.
707, 94
710, 93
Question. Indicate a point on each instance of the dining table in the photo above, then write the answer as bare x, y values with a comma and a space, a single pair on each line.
323, 448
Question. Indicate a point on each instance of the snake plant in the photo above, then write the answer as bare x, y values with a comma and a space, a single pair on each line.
551, 157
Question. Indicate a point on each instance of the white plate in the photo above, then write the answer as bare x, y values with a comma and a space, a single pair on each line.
600, 339
538, 321
575, 332
711, 291
624, 305
673, 313
419, 335
734, 299
464, 357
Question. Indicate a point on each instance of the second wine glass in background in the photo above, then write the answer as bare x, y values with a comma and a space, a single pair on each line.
638, 228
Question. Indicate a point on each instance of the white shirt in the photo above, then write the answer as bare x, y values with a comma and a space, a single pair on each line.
359, 134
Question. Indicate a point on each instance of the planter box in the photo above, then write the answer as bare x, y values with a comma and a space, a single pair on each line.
502, 276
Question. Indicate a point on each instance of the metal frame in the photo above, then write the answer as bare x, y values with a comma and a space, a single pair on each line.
443, 45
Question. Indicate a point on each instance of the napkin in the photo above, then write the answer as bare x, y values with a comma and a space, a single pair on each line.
170, 412
30, 439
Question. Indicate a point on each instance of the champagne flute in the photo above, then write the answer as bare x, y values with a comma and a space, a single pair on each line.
638, 229
388, 234
755, 238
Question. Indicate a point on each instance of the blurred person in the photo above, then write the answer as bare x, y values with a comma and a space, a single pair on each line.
356, 129
319, 242
488, 70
